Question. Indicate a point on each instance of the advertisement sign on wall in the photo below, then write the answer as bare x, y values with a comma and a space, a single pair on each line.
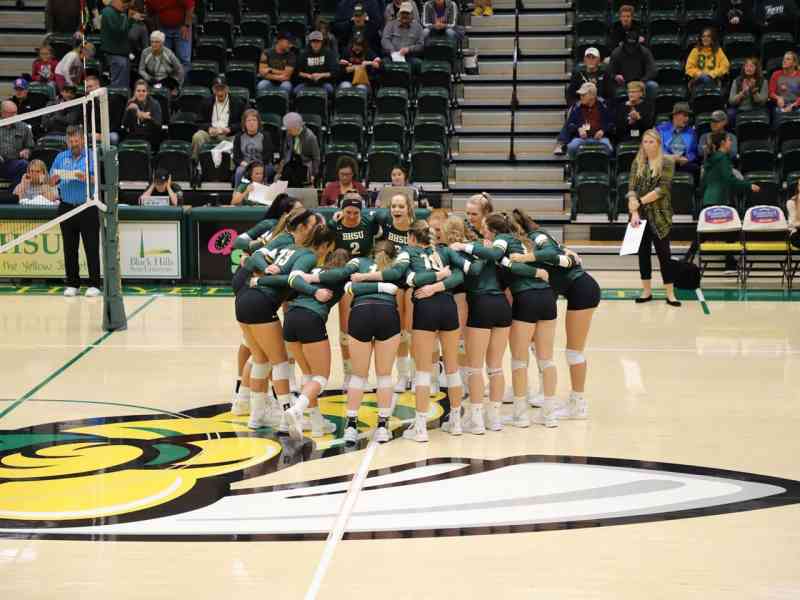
150, 250
216, 258
40, 257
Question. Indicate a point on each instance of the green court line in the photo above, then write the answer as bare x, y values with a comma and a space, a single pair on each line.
27, 395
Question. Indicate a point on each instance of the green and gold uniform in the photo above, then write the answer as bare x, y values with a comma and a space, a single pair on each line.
256, 237
503, 246
399, 237
358, 240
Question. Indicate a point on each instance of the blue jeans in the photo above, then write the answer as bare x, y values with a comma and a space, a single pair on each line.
120, 71
346, 85
573, 146
266, 84
13, 170
325, 86
449, 32
181, 47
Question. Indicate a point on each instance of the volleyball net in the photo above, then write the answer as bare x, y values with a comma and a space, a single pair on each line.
61, 164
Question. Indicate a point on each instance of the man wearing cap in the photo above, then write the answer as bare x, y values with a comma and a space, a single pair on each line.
633, 62
588, 120
317, 66
162, 185
439, 18
679, 139
20, 97
392, 9
719, 124
403, 36
16, 144
220, 116
592, 71
635, 116
300, 156
277, 65
344, 15
114, 29
364, 28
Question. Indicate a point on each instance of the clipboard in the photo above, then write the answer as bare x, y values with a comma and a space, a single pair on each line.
633, 239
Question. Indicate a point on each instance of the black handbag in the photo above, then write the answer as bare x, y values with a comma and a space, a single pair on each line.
687, 275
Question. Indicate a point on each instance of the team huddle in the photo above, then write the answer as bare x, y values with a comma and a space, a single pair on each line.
439, 298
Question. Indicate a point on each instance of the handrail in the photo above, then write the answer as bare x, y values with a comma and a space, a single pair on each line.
512, 155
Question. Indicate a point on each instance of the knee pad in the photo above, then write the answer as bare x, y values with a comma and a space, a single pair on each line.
322, 381
574, 357
516, 365
494, 372
281, 371
260, 370
454, 379
244, 343
546, 364
344, 339
469, 372
385, 381
423, 378
356, 382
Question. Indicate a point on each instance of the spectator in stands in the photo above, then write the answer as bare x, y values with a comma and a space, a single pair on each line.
92, 84
775, 15
347, 181
59, 121
159, 65
70, 69
392, 8
162, 185
399, 178
736, 16
357, 64
588, 120
679, 139
20, 97
255, 173
44, 67
719, 123
784, 87
16, 144
277, 65
707, 63
143, 118
650, 198
344, 14
483, 8
633, 62
720, 183
250, 144
174, 18
220, 116
591, 72
35, 188
69, 174
403, 36
636, 115
138, 35
749, 91
316, 67
116, 47
625, 25
329, 41
364, 28
439, 17
793, 214
63, 16
300, 158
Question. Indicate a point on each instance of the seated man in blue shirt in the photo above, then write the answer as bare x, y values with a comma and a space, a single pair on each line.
69, 174
680, 140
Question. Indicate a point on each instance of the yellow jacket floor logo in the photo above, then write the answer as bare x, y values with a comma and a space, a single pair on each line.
140, 467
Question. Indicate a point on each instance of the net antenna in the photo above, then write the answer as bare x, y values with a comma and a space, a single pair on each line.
101, 193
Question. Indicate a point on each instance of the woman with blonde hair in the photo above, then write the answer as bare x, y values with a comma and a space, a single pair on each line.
650, 199
478, 207
34, 188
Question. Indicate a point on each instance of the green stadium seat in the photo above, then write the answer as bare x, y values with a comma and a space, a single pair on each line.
248, 48
312, 100
134, 160
626, 152
315, 124
272, 124
434, 100
663, 22
392, 100
242, 74
788, 127
219, 24
591, 23
210, 172
773, 47
666, 47
295, 24
242, 94
440, 47
707, 100
591, 194
117, 101
698, 19
176, 157
183, 126
334, 152
389, 128
352, 101
164, 99
382, 157
395, 74
40, 95
752, 125
670, 72
191, 98
348, 128
201, 73
257, 25
61, 44
430, 128
211, 47
591, 158
769, 192
739, 45
47, 149
756, 155
668, 96
790, 158
273, 101
435, 73
683, 188
428, 163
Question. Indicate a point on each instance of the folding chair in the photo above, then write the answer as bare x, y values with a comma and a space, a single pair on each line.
765, 236
719, 236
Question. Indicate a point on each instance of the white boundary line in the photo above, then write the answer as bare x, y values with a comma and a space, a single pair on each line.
335, 535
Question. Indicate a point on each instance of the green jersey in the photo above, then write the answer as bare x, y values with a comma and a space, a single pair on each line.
255, 237
425, 263
365, 291
335, 281
503, 246
288, 258
550, 256
356, 240
264, 257
399, 237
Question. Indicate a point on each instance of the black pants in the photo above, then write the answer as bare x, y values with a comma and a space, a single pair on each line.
663, 252
85, 225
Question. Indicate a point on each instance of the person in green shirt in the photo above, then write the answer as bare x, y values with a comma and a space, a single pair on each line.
719, 184
567, 278
114, 27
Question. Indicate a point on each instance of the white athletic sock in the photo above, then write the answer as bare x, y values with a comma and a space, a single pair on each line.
403, 366
258, 402
577, 396
244, 392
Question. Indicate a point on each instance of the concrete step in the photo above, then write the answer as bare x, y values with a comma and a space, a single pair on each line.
508, 177
529, 45
500, 95
528, 23
21, 42
16, 66
542, 70
536, 204
478, 121
497, 148
6, 88
22, 19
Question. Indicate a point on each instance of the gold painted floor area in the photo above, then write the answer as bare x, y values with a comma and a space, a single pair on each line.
667, 385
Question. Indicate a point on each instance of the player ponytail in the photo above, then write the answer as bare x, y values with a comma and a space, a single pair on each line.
503, 223
385, 254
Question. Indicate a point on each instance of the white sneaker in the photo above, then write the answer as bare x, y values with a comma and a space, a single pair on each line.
536, 400
258, 419
93, 292
350, 435
493, 421
418, 431
547, 415
294, 420
70, 292
575, 408
324, 427
241, 407
402, 386
381, 435
453, 425
475, 424
283, 423
519, 417
275, 415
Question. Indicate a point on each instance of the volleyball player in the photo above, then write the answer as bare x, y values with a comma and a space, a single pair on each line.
478, 207
582, 292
